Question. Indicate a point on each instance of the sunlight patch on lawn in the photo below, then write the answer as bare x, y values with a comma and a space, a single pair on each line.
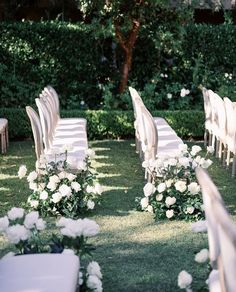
6, 176
4, 189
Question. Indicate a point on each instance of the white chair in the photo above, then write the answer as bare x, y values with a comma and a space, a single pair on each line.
4, 134
221, 236
74, 157
51, 92
230, 133
39, 273
208, 117
58, 137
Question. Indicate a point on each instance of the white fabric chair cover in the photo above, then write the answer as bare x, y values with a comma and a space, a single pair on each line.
39, 273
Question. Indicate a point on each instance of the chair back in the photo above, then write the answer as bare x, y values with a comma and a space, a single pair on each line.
227, 239
210, 194
221, 115
36, 129
46, 123
230, 119
55, 97
207, 105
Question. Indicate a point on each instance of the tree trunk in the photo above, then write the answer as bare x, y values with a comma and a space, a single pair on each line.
127, 44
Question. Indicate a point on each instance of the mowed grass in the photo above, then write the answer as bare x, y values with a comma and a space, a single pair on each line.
135, 252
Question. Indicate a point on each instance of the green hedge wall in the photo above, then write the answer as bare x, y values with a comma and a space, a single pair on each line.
110, 124
82, 62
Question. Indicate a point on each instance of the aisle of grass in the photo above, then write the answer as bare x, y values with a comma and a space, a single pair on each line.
135, 253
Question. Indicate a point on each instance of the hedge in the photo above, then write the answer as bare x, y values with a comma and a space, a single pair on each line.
110, 124
82, 62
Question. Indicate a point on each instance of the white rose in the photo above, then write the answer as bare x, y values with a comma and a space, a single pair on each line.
183, 92
62, 175
210, 149
31, 219
90, 204
159, 197
16, 233
56, 197
90, 153
41, 187
145, 164
150, 208
180, 186
195, 150
168, 183
169, 95
184, 280
76, 186
94, 283
161, 187
90, 189
70, 176
34, 203
4, 223
144, 203
43, 195
98, 189
205, 163
93, 268
22, 171
90, 227
33, 186
149, 189
184, 161
72, 228
169, 213
68, 251
32, 176
202, 256
40, 224
170, 201
65, 190
54, 179
190, 210
194, 188
15, 213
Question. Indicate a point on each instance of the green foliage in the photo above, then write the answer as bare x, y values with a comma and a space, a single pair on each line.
111, 124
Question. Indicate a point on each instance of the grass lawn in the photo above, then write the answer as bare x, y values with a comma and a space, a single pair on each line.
135, 252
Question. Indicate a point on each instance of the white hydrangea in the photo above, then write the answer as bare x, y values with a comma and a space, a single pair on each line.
184, 161
195, 149
190, 210
184, 280
22, 171
54, 179
94, 283
149, 189
90, 227
4, 223
202, 256
16, 233
40, 224
31, 219
15, 213
70, 176
93, 268
172, 162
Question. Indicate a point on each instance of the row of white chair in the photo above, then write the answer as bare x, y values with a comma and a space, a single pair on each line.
153, 135
51, 132
220, 126
221, 232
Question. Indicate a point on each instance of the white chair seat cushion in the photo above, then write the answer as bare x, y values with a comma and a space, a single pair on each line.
39, 273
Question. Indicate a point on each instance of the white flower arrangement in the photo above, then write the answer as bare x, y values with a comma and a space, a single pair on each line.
174, 192
58, 191
26, 234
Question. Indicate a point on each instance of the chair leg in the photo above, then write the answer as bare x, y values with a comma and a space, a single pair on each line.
205, 138
7, 136
217, 148
220, 150
234, 166
228, 159
224, 156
